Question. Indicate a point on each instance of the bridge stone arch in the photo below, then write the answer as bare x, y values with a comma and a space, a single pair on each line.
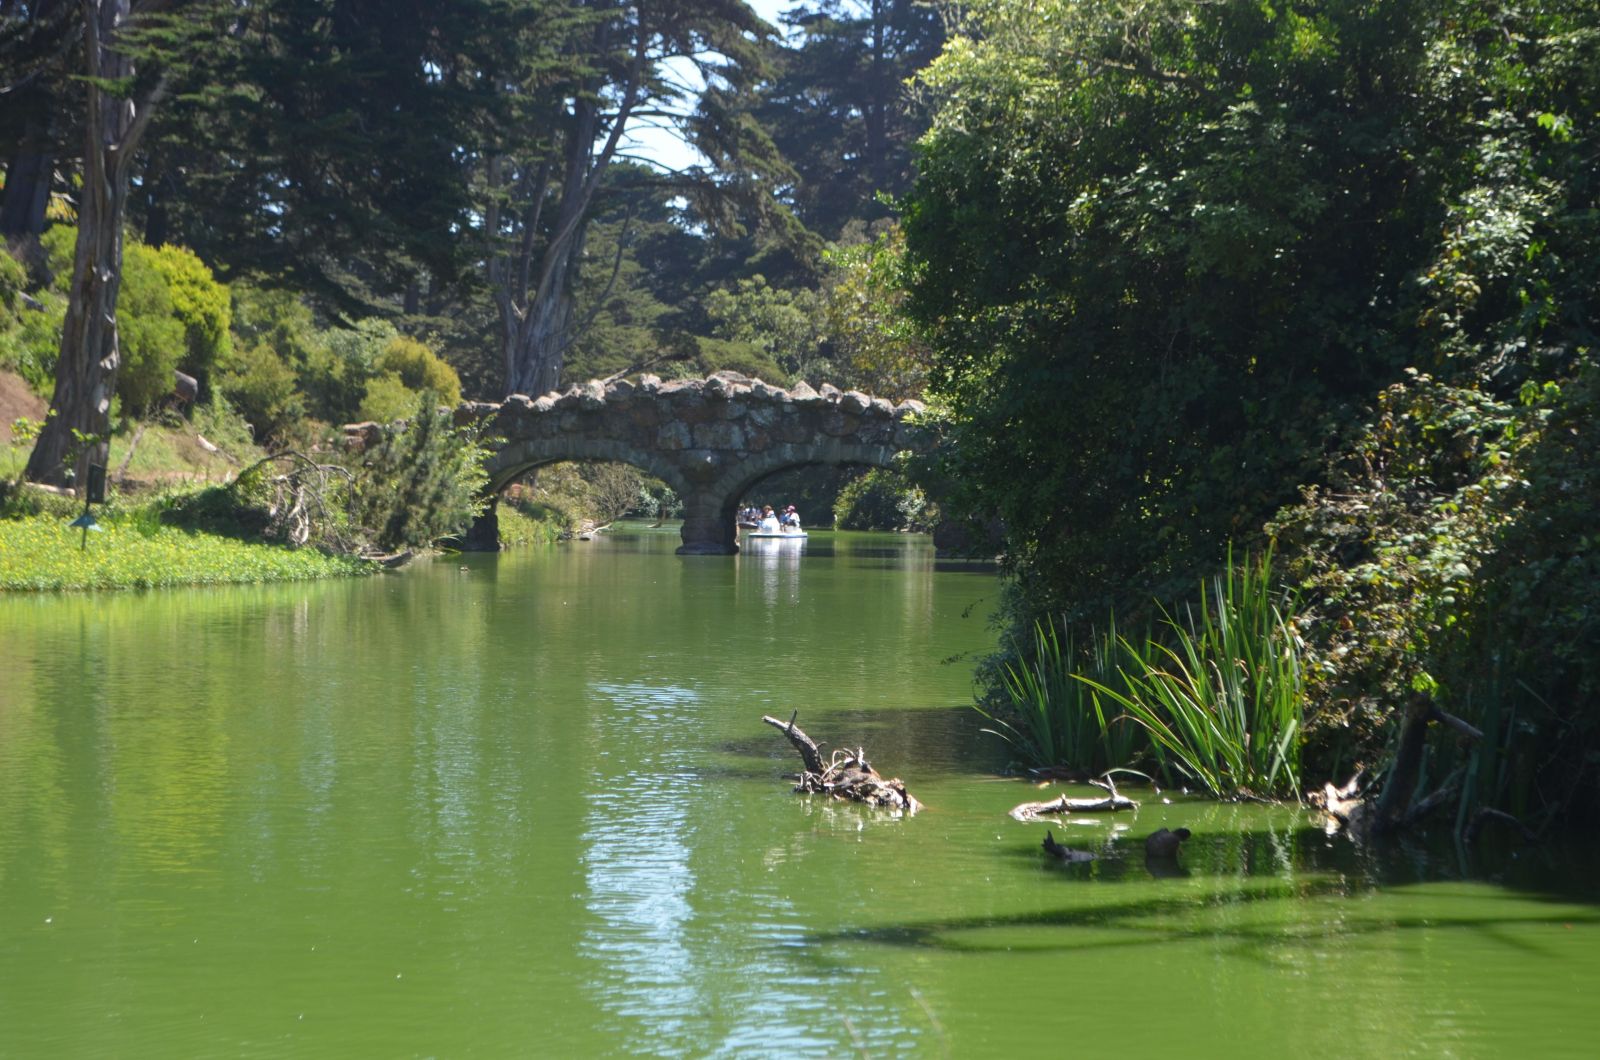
709, 439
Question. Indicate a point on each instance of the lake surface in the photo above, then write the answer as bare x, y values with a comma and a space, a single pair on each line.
524, 805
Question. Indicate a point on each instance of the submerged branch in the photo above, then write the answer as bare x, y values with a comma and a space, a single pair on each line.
847, 775
1038, 811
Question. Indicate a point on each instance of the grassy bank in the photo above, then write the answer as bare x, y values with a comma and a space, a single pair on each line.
42, 552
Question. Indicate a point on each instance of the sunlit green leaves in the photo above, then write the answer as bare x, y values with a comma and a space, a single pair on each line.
44, 553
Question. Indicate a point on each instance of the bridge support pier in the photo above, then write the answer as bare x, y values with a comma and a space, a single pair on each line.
708, 526
484, 534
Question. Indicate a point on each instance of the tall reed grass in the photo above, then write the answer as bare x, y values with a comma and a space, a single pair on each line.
1222, 700
1056, 718
1213, 694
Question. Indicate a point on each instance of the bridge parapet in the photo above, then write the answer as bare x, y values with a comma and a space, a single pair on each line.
709, 439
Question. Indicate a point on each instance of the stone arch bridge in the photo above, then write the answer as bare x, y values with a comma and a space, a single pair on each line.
709, 439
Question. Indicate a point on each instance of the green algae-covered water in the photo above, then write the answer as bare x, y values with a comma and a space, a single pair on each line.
525, 806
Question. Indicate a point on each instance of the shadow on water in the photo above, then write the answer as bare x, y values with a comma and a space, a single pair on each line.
1161, 920
1261, 890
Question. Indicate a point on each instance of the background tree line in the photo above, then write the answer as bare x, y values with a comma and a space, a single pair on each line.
465, 171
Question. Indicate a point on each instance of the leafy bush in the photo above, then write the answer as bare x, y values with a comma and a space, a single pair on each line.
576, 492
883, 499
30, 340
13, 282
418, 368
171, 313
388, 399
263, 387
525, 522
423, 482
152, 335
1454, 549
236, 509
200, 304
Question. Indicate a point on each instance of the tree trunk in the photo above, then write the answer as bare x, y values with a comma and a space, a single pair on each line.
32, 164
86, 370
27, 193
537, 343
536, 304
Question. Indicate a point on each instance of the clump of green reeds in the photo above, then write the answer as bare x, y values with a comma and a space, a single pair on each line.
1214, 693
1061, 712
1222, 701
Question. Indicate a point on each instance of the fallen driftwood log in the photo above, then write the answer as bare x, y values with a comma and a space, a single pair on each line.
846, 775
1108, 803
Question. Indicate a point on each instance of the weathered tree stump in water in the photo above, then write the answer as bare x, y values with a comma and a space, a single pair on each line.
847, 775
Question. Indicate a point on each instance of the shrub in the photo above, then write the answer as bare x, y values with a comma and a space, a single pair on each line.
200, 304
883, 499
13, 281
388, 399
152, 336
171, 313
262, 387
418, 368
423, 481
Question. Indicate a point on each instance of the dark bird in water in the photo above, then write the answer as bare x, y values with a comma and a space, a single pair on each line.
1163, 843
1064, 853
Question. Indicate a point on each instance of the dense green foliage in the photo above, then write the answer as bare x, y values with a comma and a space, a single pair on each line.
1187, 268
883, 499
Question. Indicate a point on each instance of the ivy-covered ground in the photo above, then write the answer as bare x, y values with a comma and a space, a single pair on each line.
45, 552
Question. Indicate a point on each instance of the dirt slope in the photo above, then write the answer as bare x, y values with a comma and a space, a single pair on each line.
17, 400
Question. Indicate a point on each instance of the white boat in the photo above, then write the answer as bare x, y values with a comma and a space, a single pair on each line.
781, 535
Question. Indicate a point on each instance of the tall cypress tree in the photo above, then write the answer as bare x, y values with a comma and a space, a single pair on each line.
128, 51
839, 110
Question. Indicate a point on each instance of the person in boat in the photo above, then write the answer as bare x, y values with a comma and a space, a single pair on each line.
769, 521
790, 520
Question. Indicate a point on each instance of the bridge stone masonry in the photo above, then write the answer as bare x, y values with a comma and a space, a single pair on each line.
710, 439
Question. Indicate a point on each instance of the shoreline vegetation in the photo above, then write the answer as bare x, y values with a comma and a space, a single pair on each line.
194, 513
43, 553
133, 547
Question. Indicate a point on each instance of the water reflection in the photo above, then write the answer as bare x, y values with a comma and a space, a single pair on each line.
776, 566
636, 850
